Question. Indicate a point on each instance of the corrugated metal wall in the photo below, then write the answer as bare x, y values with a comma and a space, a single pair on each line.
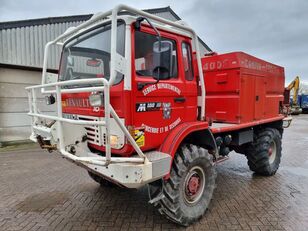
25, 45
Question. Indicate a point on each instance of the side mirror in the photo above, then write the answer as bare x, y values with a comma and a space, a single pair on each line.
162, 59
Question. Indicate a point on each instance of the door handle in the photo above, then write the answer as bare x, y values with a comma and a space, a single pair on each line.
179, 99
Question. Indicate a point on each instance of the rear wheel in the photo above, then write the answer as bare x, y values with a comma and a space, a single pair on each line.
188, 192
264, 154
103, 182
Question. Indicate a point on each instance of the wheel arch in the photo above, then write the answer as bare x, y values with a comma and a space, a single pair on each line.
197, 133
275, 124
203, 138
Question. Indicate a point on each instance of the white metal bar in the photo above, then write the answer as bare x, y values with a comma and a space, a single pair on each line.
84, 25
201, 78
107, 122
30, 101
100, 161
34, 101
113, 45
115, 159
78, 122
31, 110
59, 108
76, 158
71, 82
45, 62
34, 106
84, 89
75, 90
127, 77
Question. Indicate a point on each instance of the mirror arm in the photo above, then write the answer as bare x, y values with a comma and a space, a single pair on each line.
140, 19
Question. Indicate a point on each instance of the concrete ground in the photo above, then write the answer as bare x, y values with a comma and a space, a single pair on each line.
42, 191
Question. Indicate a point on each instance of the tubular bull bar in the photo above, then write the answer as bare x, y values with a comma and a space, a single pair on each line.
128, 171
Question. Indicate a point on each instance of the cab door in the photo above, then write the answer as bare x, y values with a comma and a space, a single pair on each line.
160, 106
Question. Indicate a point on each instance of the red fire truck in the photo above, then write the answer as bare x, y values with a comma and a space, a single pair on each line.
137, 104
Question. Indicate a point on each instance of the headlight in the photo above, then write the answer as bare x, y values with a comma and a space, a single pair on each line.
96, 99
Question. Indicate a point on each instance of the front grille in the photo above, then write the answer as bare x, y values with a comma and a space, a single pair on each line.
93, 131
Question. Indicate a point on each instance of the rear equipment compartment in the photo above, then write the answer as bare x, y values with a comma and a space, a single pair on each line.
241, 88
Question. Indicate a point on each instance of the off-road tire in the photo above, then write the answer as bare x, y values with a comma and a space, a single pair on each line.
173, 204
103, 182
259, 152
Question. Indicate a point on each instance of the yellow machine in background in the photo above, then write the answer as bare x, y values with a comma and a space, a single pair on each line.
295, 107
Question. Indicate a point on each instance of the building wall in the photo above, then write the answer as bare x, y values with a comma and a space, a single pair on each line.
24, 46
14, 122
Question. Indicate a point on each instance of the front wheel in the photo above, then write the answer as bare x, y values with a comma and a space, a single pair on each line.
188, 191
264, 154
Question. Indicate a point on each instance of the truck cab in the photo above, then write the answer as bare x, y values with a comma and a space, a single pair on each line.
148, 104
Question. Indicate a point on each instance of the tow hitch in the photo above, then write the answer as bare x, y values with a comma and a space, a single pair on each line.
45, 144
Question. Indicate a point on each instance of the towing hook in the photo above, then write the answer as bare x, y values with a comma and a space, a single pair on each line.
45, 144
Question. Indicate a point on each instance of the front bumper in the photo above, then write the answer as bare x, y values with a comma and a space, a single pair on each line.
130, 172
131, 175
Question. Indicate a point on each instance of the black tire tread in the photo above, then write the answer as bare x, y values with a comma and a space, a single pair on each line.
257, 152
169, 205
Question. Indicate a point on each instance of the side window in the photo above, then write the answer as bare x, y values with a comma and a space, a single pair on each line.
187, 61
144, 54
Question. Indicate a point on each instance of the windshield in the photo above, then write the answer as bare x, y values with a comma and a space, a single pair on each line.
88, 55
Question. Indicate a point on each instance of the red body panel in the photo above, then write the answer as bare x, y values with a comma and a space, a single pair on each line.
241, 88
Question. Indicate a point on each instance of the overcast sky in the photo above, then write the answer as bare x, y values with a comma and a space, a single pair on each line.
274, 30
